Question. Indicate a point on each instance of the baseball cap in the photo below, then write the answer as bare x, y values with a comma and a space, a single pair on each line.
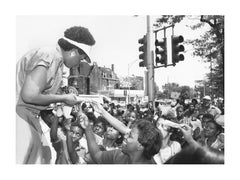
85, 48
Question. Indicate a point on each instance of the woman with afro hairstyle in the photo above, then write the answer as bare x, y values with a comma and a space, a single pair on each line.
38, 77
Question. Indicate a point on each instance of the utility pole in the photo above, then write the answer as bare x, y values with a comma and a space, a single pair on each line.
150, 66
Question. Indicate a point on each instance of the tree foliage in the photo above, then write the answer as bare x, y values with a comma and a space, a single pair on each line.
168, 88
210, 46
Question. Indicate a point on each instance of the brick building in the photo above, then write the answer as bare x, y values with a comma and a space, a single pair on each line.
92, 79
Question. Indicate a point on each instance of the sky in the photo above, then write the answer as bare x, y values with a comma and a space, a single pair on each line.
116, 43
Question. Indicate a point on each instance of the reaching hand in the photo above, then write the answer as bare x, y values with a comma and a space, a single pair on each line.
70, 99
187, 132
83, 120
97, 106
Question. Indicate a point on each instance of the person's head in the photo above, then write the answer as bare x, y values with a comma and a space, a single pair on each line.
84, 107
212, 129
179, 111
191, 107
76, 132
206, 101
131, 117
197, 155
144, 138
206, 118
112, 105
99, 126
130, 107
76, 44
112, 133
194, 102
120, 112
47, 116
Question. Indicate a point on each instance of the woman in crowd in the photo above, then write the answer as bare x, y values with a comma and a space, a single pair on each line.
130, 118
169, 148
195, 153
214, 136
112, 138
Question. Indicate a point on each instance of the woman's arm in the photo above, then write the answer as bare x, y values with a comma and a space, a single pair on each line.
187, 133
93, 148
71, 151
35, 83
118, 125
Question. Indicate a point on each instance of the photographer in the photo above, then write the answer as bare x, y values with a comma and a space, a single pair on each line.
195, 153
169, 147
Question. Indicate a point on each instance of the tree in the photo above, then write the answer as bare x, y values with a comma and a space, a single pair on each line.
185, 91
210, 46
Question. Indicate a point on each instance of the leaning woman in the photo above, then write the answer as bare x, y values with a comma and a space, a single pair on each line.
39, 75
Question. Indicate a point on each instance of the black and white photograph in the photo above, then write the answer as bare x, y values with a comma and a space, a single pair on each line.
119, 89
138, 89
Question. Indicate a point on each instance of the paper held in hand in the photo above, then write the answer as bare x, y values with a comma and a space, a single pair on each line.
67, 111
171, 124
89, 98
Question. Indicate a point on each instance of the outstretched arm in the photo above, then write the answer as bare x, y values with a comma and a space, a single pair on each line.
122, 128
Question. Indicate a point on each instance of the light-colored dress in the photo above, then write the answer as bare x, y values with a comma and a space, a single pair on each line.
166, 153
31, 144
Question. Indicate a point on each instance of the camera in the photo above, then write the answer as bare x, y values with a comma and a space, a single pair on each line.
176, 135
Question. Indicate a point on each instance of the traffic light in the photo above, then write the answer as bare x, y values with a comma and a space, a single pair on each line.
176, 49
143, 51
162, 52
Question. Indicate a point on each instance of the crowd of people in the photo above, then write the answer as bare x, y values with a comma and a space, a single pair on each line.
87, 132
107, 133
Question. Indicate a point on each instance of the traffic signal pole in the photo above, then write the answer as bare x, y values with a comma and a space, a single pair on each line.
150, 65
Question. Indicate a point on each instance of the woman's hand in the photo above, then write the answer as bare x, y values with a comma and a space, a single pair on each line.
97, 107
187, 132
70, 99
83, 120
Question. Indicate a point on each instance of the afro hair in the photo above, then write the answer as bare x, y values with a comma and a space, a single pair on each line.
78, 34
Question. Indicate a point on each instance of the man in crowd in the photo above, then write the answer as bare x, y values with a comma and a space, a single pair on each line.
208, 108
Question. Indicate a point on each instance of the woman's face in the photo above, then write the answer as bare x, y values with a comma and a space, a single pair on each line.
131, 117
191, 107
180, 112
72, 58
210, 129
76, 133
98, 129
112, 133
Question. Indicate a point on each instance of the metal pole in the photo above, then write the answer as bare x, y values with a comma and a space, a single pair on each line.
210, 75
150, 66
128, 86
